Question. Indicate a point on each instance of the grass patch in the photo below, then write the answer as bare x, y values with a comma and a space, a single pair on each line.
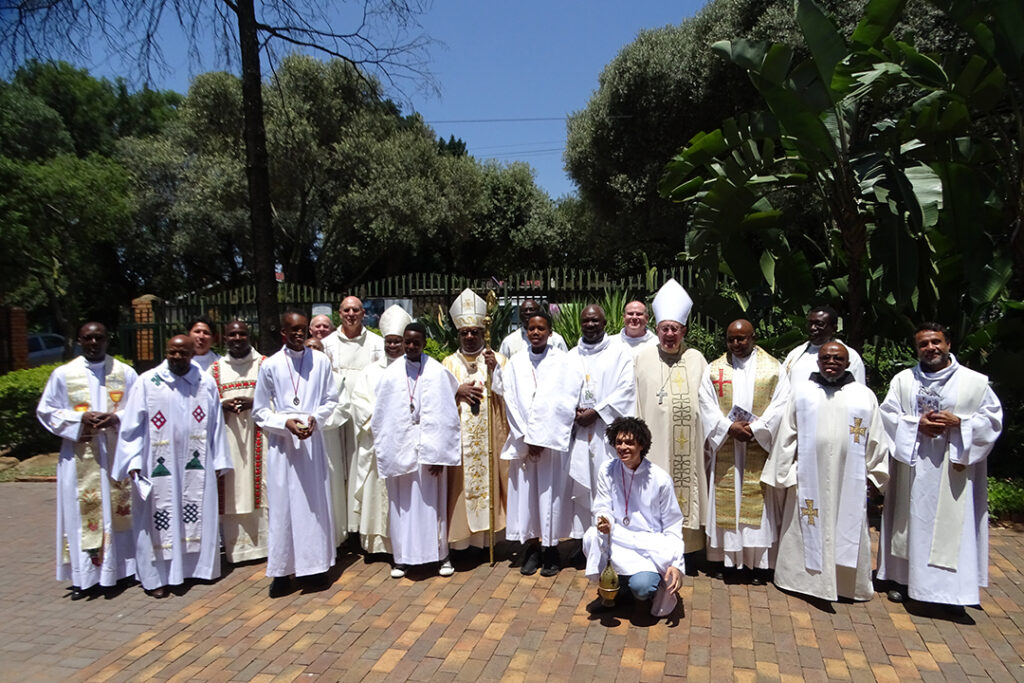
12, 473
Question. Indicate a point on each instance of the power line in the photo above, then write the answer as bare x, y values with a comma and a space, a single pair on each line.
540, 118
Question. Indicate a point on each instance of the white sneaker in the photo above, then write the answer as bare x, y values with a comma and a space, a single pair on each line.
446, 568
397, 572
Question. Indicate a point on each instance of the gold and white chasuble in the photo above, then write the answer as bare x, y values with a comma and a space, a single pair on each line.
667, 399
482, 471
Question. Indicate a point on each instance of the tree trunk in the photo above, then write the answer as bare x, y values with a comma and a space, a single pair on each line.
257, 171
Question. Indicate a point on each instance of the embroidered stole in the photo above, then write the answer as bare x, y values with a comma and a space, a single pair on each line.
167, 459
93, 538
483, 435
684, 415
766, 376
851, 481
951, 505
247, 387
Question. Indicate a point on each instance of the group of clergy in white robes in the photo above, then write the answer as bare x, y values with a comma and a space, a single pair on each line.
768, 461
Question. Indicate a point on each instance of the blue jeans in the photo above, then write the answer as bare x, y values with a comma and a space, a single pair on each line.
643, 585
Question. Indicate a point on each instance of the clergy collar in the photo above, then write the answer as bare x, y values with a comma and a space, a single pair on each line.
671, 358
247, 358
741, 362
844, 379
635, 340
192, 376
942, 375
294, 354
586, 349
345, 338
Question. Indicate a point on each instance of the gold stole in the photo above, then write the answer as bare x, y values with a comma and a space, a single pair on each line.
766, 376
87, 466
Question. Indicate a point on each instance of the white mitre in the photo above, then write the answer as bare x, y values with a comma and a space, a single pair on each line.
393, 321
468, 310
672, 303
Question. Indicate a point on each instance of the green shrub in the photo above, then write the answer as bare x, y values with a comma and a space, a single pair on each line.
19, 429
1005, 498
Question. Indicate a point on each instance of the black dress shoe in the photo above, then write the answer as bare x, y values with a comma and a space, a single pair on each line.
531, 560
757, 580
279, 586
550, 563
78, 594
895, 596
158, 593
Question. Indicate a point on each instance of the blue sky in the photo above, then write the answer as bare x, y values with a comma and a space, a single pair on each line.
530, 59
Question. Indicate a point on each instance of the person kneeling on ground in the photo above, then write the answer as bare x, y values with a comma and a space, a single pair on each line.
637, 514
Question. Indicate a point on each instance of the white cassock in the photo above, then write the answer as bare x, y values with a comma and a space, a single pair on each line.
609, 387
636, 344
172, 431
935, 522
301, 538
415, 425
803, 360
206, 361
243, 520
541, 392
348, 356
370, 489
516, 341
742, 543
831, 441
652, 540
94, 532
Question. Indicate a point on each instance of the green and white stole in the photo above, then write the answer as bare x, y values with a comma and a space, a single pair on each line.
87, 466
766, 376
182, 462
950, 508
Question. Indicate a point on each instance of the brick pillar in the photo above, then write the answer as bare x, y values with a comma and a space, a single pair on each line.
13, 339
142, 316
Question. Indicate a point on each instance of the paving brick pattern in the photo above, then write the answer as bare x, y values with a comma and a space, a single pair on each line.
482, 624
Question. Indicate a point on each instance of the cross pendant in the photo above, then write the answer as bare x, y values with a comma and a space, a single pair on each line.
661, 396
412, 408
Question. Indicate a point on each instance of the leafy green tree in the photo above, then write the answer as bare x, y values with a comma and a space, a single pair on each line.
668, 85
60, 223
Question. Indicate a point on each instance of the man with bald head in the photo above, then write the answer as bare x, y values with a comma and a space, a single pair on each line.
608, 393
635, 333
516, 340
350, 349
81, 404
831, 443
243, 519
742, 399
173, 445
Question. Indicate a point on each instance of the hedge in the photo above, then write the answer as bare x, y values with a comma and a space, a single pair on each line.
19, 429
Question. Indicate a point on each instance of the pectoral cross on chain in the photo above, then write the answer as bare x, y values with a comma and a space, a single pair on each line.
857, 430
661, 396
721, 382
809, 511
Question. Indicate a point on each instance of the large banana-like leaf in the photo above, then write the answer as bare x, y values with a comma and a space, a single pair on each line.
827, 46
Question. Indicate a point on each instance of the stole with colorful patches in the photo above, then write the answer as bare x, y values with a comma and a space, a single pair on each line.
177, 473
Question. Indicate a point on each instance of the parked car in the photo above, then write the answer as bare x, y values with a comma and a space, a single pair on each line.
44, 349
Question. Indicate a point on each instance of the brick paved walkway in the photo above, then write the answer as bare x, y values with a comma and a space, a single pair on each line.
481, 624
